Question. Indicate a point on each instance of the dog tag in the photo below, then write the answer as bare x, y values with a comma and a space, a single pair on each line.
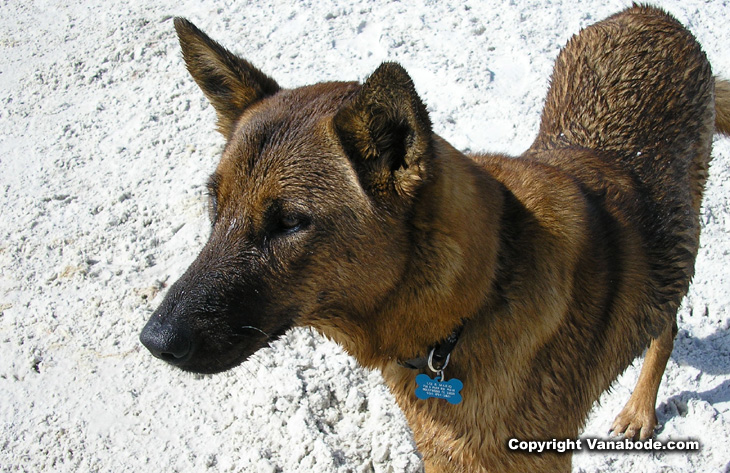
428, 388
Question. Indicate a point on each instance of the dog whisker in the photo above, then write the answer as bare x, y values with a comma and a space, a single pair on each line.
268, 337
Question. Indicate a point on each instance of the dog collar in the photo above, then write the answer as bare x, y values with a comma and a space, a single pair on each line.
438, 354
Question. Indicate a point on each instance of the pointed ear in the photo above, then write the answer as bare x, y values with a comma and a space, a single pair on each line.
231, 84
386, 132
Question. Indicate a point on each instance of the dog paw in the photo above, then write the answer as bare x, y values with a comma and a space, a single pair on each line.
635, 422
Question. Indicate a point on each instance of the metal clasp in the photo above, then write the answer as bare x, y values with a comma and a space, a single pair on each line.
439, 372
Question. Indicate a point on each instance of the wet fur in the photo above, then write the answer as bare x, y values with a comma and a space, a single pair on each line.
335, 206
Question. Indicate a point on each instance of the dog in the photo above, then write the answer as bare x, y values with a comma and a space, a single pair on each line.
533, 280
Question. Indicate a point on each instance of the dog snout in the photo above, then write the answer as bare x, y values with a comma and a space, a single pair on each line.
171, 343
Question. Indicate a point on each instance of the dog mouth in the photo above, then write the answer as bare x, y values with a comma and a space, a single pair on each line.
206, 352
207, 360
213, 363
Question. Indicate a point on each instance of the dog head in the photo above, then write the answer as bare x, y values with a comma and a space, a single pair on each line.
308, 207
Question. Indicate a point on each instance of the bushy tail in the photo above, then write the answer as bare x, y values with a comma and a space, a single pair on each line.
722, 106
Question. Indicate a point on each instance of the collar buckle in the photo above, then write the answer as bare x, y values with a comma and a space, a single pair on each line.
438, 356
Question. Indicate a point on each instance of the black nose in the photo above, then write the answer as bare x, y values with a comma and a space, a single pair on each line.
167, 342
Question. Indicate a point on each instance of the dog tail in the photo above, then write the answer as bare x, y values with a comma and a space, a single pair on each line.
722, 106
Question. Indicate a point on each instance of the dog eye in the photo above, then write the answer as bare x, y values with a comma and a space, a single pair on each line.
288, 224
283, 221
291, 223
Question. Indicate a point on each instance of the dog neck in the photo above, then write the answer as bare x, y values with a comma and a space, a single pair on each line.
452, 262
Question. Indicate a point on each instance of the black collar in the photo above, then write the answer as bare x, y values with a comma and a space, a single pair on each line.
441, 352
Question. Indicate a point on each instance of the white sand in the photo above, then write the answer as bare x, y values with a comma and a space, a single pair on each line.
105, 146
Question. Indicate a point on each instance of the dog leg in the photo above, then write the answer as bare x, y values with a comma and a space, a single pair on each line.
638, 417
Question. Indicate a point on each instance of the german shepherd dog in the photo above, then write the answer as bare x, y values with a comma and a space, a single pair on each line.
534, 280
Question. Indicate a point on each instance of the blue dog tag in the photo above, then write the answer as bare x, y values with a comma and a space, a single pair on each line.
449, 390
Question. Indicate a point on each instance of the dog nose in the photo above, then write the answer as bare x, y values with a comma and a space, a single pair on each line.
165, 342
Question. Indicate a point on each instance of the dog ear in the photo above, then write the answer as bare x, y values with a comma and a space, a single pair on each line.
386, 132
231, 83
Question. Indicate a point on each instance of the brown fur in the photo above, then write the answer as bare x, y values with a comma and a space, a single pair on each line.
335, 206
722, 106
